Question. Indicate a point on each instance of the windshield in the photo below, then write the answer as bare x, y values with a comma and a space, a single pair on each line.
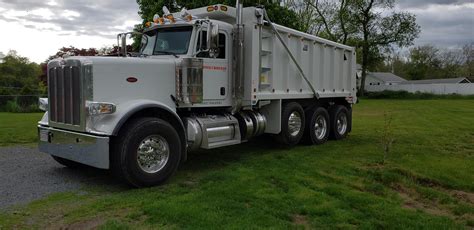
166, 41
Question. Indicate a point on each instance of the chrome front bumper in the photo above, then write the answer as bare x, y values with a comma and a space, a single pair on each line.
83, 148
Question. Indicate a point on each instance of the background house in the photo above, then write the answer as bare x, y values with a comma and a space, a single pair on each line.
377, 82
459, 80
383, 78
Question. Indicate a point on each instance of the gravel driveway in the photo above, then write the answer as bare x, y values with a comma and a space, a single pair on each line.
26, 175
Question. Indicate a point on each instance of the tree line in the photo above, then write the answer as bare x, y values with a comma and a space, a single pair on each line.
430, 62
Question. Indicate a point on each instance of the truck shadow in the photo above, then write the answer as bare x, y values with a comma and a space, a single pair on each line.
217, 158
198, 161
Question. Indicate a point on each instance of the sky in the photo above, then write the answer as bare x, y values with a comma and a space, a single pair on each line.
38, 28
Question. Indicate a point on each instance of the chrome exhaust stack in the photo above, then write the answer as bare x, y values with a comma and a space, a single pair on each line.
238, 76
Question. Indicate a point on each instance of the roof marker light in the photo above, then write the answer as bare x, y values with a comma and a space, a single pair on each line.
156, 18
171, 18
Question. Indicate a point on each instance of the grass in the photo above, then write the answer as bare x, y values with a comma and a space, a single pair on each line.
18, 128
425, 182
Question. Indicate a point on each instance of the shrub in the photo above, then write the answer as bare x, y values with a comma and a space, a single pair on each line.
13, 106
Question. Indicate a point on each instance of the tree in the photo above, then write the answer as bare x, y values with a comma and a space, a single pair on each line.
380, 29
18, 76
335, 19
451, 63
1, 57
468, 51
73, 51
305, 14
422, 60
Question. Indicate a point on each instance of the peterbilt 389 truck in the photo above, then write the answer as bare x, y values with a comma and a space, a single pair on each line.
204, 78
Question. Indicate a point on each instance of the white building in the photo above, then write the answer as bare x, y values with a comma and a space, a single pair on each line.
377, 82
383, 78
458, 80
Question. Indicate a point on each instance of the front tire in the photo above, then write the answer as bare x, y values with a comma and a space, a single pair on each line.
147, 152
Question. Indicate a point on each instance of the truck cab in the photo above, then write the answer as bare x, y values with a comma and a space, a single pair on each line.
188, 40
204, 78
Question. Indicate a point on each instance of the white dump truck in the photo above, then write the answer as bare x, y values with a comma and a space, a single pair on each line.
204, 78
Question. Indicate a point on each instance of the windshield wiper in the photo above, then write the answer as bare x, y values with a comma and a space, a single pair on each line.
167, 52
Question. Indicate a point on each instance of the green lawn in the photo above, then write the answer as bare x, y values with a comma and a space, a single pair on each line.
18, 128
427, 181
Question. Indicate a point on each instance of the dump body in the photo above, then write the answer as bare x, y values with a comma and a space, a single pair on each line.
271, 74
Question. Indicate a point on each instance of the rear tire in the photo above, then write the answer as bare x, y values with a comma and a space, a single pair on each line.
292, 124
340, 122
317, 126
146, 153
69, 163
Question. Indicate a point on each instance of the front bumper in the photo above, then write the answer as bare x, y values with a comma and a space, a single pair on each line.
83, 148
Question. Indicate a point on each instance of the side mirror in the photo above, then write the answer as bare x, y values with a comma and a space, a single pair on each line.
211, 43
213, 39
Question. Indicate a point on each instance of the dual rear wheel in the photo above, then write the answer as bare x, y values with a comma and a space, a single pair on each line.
314, 126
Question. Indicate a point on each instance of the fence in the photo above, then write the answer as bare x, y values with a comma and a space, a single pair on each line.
439, 89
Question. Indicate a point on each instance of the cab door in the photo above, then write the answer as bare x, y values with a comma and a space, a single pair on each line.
216, 73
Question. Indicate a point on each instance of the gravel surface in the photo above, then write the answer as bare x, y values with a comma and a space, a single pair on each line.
27, 175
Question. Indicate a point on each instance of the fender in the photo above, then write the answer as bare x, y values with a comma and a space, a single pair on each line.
111, 124
140, 107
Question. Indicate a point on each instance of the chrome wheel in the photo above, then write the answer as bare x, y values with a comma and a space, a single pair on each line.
341, 123
153, 154
320, 127
294, 124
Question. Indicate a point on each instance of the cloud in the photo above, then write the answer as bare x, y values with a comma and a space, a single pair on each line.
445, 23
37, 29
86, 17
424, 3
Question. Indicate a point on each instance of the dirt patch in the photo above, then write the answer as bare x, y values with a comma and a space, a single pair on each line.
412, 201
301, 220
85, 224
464, 196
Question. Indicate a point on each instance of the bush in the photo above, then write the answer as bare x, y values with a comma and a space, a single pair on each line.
13, 106
387, 94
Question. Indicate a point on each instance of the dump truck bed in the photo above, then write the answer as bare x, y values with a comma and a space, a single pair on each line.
270, 73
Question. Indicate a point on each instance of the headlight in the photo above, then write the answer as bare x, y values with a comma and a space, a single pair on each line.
43, 104
96, 108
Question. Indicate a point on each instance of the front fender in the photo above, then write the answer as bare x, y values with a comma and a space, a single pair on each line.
111, 124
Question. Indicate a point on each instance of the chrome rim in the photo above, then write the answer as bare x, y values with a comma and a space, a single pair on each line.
294, 123
320, 127
153, 154
341, 123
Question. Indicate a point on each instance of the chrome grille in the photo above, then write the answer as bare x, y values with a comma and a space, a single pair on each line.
65, 97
